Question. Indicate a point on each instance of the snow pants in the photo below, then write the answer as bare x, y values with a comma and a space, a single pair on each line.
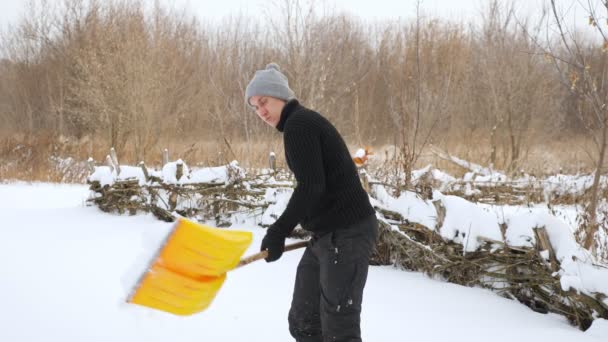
329, 284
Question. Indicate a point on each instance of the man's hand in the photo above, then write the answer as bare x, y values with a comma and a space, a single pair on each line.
275, 244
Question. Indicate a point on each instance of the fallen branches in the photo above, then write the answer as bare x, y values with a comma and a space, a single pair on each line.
206, 194
516, 273
529, 273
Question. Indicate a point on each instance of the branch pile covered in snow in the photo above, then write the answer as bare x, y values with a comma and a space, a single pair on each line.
203, 193
531, 256
486, 185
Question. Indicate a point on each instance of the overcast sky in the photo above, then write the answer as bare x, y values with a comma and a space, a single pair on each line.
367, 9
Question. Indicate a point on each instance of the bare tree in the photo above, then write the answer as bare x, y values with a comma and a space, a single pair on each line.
515, 77
415, 107
120, 73
584, 72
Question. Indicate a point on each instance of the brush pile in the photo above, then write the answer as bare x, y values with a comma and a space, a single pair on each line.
486, 185
528, 256
531, 275
214, 193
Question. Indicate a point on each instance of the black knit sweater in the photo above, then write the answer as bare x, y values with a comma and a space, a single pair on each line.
328, 195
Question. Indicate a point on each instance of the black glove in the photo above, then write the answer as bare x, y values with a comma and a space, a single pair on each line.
274, 242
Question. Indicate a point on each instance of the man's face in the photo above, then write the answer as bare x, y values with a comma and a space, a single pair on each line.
268, 108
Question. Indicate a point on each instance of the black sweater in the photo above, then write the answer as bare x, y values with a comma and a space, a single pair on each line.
328, 195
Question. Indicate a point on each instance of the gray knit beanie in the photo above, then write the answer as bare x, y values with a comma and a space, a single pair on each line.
269, 82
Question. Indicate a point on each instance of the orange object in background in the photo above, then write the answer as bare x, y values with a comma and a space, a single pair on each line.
190, 268
361, 159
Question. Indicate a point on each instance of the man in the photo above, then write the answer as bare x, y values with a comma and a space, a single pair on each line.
330, 202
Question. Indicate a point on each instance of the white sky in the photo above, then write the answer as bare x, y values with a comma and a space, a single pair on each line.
368, 9
376, 9
371, 10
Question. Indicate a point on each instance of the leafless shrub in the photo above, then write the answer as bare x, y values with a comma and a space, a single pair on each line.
139, 78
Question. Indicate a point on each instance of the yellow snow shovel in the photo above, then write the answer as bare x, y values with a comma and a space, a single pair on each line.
191, 265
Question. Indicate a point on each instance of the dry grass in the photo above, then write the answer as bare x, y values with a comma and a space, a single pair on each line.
549, 156
28, 158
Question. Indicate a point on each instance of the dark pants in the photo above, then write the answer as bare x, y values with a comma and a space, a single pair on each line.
329, 285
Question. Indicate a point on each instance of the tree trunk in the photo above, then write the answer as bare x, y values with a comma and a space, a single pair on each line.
493, 145
592, 210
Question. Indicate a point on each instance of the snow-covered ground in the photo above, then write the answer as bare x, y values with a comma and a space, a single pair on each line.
65, 268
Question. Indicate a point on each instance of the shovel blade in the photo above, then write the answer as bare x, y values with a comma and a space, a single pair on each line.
189, 268
165, 290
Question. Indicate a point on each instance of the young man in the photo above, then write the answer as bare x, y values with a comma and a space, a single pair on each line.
330, 202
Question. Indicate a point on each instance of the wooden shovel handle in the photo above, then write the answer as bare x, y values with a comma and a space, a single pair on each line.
264, 254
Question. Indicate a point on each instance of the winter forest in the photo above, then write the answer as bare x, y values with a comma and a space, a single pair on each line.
481, 143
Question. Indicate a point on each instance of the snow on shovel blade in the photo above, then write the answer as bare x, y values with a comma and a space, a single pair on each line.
190, 267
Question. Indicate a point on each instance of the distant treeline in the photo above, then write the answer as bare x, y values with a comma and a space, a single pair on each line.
129, 72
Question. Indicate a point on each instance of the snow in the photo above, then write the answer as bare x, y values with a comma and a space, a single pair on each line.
210, 175
360, 153
408, 205
520, 233
465, 222
585, 277
63, 279
220, 174
129, 172
277, 199
104, 175
170, 169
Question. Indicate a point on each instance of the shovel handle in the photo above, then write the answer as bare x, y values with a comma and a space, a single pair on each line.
263, 254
